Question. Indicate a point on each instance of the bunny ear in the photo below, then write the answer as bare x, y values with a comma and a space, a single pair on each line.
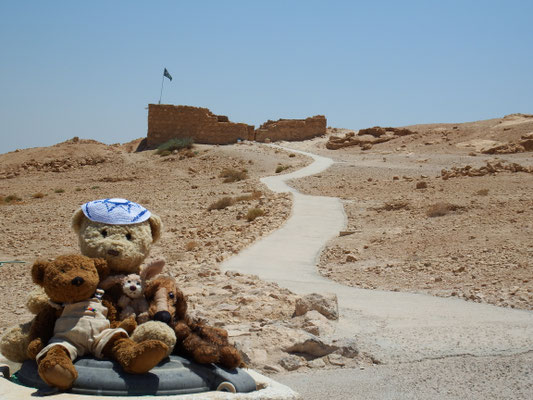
152, 269
110, 281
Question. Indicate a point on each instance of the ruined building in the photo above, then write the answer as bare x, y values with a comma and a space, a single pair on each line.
166, 122
291, 129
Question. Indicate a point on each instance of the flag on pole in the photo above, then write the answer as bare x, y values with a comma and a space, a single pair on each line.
167, 74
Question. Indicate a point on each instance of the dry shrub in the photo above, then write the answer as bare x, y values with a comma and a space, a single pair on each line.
255, 195
10, 199
221, 203
167, 148
440, 209
292, 155
394, 206
421, 185
189, 246
253, 213
38, 195
59, 191
233, 175
482, 192
113, 179
281, 168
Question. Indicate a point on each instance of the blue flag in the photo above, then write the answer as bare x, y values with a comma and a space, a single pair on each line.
167, 74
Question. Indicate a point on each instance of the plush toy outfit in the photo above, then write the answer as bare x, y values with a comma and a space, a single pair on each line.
82, 328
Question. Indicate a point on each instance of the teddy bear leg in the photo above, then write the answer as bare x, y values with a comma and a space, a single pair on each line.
129, 325
201, 351
135, 358
56, 368
229, 357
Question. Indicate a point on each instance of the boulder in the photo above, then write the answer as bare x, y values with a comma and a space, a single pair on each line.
325, 304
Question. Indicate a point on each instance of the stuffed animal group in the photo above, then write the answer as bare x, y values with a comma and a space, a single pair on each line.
149, 311
75, 323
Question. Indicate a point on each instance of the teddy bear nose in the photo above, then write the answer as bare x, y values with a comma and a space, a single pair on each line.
113, 252
162, 316
77, 281
133, 288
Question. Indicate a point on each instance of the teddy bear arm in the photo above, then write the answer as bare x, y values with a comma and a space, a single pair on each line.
128, 324
182, 330
140, 305
124, 302
112, 313
127, 312
42, 330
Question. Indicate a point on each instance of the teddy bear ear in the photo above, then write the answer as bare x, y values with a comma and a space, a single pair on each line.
77, 220
37, 271
156, 226
101, 267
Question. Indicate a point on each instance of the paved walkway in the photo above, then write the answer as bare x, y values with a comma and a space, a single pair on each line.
391, 326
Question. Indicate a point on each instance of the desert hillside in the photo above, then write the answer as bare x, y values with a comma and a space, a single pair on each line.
40, 188
443, 209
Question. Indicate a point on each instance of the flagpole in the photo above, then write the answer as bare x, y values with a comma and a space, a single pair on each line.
161, 94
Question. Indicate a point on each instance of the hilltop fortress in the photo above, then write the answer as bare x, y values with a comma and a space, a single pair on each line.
169, 121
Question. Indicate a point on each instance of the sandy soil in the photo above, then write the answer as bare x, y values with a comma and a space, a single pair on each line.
479, 249
51, 183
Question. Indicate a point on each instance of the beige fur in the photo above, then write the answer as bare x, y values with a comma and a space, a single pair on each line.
124, 247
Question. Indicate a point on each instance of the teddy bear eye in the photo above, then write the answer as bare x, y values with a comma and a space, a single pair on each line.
104, 232
171, 295
128, 236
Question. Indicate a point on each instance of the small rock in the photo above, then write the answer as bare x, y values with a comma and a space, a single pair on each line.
312, 346
273, 368
336, 359
316, 363
291, 363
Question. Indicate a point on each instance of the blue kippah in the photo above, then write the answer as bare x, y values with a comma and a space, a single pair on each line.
115, 212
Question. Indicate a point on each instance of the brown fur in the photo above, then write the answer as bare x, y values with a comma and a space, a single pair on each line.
58, 280
203, 343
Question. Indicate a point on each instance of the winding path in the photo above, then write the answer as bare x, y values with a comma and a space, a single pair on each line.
390, 326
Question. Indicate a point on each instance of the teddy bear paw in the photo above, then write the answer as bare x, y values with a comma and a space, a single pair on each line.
139, 358
57, 370
230, 357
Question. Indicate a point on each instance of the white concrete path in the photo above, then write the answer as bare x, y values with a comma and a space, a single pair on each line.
391, 326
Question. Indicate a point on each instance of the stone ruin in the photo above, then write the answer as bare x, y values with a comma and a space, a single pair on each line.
291, 129
166, 122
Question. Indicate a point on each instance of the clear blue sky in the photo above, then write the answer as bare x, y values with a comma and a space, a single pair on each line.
89, 69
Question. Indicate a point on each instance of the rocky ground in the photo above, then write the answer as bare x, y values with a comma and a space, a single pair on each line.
428, 211
41, 188
431, 212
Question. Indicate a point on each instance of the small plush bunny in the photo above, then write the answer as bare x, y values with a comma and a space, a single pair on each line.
132, 302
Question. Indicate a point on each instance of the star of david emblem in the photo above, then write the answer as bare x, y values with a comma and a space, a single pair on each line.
117, 210
111, 204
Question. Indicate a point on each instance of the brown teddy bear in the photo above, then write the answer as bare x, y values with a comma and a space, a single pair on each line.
75, 323
204, 344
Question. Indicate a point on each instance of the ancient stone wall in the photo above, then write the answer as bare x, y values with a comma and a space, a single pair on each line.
166, 122
292, 129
